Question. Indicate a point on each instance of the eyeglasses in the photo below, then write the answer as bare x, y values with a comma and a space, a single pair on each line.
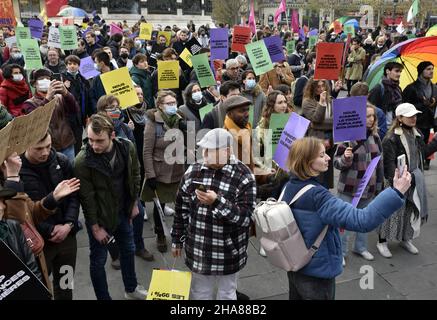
171, 103
234, 68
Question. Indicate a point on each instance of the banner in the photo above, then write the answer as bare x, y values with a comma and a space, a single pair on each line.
119, 83
167, 35
291, 46
219, 43
146, 31
22, 33
169, 285
240, 38
349, 119
168, 74
54, 39
259, 57
204, 110
87, 69
36, 27
31, 54
277, 125
365, 180
54, 6
295, 128
274, 47
328, 61
7, 15
186, 57
68, 37
203, 70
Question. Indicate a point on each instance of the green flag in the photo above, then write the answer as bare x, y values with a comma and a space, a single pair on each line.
259, 57
31, 54
313, 41
203, 70
414, 10
291, 46
68, 37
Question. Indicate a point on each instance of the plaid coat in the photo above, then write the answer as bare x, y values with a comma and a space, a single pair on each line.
352, 171
215, 237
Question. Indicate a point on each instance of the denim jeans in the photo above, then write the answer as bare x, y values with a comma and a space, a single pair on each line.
303, 287
138, 224
69, 153
98, 254
360, 238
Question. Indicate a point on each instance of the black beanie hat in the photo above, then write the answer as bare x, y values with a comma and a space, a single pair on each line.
422, 66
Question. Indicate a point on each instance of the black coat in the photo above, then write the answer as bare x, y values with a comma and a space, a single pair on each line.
413, 94
80, 89
38, 187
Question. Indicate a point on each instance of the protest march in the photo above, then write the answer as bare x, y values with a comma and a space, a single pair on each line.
192, 150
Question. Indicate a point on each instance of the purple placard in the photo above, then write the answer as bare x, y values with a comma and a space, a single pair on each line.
274, 47
349, 119
87, 69
365, 180
295, 128
36, 28
219, 43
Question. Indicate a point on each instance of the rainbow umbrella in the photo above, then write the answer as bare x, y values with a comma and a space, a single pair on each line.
432, 31
342, 20
353, 22
67, 11
408, 53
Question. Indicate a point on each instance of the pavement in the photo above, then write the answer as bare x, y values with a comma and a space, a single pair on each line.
404, 276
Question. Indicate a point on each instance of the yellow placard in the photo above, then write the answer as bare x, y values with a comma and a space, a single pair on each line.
119, 83
167, 35
168, 74
146, 31
169, 285
186, 57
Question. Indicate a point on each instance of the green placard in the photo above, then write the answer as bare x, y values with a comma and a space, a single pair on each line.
203, 70
259, 57
68, 37
206, 109
22, 33
349, 29
31, 54
251, 115
291, 46
277, 124
313, 41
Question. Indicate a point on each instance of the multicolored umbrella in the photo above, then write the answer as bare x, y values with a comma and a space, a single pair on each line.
68, 11
408, 53
432, 31
342, 20
352, 22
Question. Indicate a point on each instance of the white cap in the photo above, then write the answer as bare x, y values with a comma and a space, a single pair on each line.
406, 110
216, 139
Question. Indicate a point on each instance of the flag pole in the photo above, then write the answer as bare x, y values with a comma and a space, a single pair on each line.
286, 14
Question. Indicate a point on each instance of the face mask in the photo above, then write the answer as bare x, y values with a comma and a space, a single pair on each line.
124, 55
296, 38
97, 33
138, 43
250, 84
17, 77
96, 67
380, 46
115, 114
73, 73
197, 96
43, 85
16, 55
149, 48
171, 110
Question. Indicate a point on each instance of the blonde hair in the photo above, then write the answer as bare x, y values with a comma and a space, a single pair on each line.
302, 155
161, 96
374, 128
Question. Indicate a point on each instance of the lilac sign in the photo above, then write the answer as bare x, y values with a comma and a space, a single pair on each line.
87, 69
365, 180
36, 28
295, 128
274, 47
219, 43
349, 119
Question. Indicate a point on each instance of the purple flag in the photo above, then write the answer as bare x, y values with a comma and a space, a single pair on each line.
219, 43
295, 128
36, 27
274, 46
365, 180
87, 69
349, 119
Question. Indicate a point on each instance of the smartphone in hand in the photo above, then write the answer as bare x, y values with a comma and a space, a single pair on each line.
57, 76
200, 186
402, 161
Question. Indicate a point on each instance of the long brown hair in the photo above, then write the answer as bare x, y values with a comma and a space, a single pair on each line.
311, 87
269, 108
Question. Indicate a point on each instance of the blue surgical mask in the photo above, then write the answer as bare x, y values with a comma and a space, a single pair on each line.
250, 84
171, 110
73, 73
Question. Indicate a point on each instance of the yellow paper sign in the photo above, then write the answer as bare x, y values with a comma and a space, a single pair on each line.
169, 285
119, 83
167, 35
168, 74
186, 57
146, 31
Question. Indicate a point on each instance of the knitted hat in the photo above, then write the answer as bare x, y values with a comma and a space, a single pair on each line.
422, 66
5, 117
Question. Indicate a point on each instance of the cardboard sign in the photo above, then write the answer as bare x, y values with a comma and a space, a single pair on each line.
87, 69
295, 128
22, 33
291, 46
365, 180
36, 28
349, 29
219, 43
349, 119
259, 57
313, 41
119, 83
68, 37
337, 27
274, 47
168, 74
206, 109
186, 57
146, 31
169, 285
193, 46
31, 54
240, 38
54, 39
11, 41
277, 125
328, 61
203, 70
167, 35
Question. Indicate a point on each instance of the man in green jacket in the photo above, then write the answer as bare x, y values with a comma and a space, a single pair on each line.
110, 182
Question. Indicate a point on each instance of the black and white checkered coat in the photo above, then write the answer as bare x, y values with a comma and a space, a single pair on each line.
216, 236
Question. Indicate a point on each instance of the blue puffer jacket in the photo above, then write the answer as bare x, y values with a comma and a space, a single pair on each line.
318, 207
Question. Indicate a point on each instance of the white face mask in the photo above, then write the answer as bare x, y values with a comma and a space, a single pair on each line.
197, 96
43, 85
149, 48
17, 77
